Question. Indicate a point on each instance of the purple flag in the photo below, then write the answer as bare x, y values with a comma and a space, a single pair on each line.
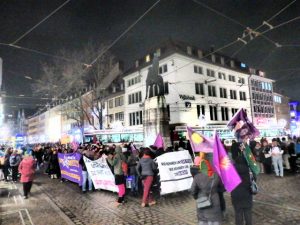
198, 142
70, 167
224, 167
159, 142
242, 127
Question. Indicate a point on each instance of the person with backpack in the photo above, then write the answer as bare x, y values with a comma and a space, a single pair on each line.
14, 161
120, 169
146, 169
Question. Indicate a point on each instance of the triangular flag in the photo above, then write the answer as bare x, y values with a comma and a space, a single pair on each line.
198, 142
224, 167
159, 142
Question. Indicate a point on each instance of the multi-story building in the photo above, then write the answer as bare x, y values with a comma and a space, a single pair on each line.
282, 110
199, 91
262, 105
295, 118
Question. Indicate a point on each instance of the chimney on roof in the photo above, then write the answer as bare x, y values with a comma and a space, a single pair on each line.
213, 58
189, 50
232, 63
222, 61
136, 63
200, 53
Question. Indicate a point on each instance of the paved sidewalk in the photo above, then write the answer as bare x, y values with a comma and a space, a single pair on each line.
53, 202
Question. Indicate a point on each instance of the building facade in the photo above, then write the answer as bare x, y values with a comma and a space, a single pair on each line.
282, 110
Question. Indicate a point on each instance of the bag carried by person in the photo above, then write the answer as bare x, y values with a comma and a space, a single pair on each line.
204, 201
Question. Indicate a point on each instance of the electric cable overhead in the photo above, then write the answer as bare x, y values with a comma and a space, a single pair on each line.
124, 32
39, 23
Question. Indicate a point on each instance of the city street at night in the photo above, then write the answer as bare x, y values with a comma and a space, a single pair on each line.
149, 112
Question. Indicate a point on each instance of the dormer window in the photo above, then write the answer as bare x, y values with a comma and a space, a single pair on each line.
147, 58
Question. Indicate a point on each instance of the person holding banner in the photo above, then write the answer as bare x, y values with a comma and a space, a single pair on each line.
85, 175
116, 162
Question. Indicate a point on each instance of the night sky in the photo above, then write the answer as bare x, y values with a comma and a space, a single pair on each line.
102, 21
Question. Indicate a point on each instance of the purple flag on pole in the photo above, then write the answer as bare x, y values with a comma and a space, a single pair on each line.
224, 167
159, 142
69, 167
198, 142
243, 128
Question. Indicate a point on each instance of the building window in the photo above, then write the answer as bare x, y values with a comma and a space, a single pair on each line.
223, 93
231, 78
224, 112
199, 88
163, 69
133, 81
119, 101
234, 111
147, 58
119, 116
200, 110
210, 73
198, 69
242, 96
277, 99
111, 118
222, 76
212, 91
166, 88
241, 80
111, 103
135, 118
135, 97
213, 113
232, 94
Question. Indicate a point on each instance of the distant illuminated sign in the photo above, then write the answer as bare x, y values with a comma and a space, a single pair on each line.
243, 65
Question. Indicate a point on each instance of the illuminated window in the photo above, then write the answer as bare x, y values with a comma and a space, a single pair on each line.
147, 58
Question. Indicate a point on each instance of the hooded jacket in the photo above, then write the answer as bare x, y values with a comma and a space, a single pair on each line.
116, 162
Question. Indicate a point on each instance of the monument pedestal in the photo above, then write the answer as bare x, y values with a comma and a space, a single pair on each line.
156, 120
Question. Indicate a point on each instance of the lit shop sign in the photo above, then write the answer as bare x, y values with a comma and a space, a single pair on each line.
187, 97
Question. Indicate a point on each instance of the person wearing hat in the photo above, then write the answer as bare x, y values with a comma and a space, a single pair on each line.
276, 153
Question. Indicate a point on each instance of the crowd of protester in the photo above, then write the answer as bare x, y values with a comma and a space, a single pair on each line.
125, 160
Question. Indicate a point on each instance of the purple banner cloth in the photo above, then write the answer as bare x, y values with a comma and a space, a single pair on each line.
199, 143
224, 167
243, 128
70, 167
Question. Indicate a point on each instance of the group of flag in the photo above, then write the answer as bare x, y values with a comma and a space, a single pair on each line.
222, 164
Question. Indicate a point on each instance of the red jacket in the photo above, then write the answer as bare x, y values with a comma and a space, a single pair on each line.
26, 169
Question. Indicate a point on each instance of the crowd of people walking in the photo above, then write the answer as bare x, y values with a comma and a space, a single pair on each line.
138, 164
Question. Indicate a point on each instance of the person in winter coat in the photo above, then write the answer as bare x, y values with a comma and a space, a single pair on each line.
241, 196
146, 170
116, 163
203, 185
27, 169
6, 164
54, 169
266, 157
14, 161
132, 163
85, 175
277, 160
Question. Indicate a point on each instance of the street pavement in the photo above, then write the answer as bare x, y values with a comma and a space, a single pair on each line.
55, 203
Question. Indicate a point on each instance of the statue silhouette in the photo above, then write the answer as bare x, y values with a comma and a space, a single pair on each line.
154, 82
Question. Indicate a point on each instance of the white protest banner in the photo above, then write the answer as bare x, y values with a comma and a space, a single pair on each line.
174, 170
101, 174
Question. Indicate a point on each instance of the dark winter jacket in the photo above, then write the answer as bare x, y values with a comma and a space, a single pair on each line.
202, 185
146, 167
241, 196
15, 159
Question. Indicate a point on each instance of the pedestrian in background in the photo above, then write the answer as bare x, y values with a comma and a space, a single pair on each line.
146, 169
6, 164
53, 164
276, 153
266, 156
241, 196
85, 174
14, 161
27, 169
132, 163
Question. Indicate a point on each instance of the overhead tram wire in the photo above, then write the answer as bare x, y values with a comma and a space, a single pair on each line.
39, 23
117, 39
233, 42
124, 32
